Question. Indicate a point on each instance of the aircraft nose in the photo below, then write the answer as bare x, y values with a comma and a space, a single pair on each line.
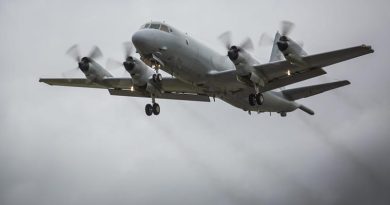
143, 40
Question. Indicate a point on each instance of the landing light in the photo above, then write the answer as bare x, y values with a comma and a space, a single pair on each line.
131, 88
288, 72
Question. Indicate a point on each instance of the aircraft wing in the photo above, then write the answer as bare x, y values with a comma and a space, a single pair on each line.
275, 73
167, 84
276, 70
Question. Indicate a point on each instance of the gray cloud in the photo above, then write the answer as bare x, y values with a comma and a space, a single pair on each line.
79, 146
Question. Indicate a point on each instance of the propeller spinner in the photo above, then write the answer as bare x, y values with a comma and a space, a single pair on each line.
286, 28
233, 50
83, 62
129, 62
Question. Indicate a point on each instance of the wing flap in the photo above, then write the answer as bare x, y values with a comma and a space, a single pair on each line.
72, 82
229, 79
171, 96
277, 83
167, 84
304, 92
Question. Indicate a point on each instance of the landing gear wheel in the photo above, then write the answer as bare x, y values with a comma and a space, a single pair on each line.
154, 78
251, 99
283, 114
259, 98
149, 109
157, 77
156, 108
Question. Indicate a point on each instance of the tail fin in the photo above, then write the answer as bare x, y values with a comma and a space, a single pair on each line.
304, 92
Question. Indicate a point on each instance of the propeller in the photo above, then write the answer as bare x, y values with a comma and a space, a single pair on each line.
129, 62
285, 29
83, 62
233, 50
265, 40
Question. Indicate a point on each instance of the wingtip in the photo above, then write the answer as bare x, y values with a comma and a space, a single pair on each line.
368, 47
346, 82
306, 110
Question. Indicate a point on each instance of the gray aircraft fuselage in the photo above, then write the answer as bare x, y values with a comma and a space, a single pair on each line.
193, 62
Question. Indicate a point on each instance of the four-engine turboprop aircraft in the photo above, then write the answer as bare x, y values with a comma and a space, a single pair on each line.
199, 72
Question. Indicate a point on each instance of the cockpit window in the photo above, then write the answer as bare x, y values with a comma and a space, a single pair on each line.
161, 27
164, 28
145, 26
155, 26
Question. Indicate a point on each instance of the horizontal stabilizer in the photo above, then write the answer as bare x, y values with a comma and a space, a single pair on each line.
171, 96
306, 110
304, 92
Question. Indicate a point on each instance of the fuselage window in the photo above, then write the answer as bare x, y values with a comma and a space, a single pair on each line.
155, 26
164, 28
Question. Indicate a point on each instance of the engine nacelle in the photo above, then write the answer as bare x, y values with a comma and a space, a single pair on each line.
92, 70
139, 71
242, 60
291, 51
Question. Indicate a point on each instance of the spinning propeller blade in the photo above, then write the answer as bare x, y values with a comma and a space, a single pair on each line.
286, 27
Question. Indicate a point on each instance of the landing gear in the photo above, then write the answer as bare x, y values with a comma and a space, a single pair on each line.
149, 109
156, 109
252, 99
259, 98
157, 77
152, 109
256, 99
283, 114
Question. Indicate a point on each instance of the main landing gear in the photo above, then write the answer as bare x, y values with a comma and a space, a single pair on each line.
256, 99
153, 108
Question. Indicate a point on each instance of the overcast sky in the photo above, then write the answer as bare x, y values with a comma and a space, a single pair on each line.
81, 146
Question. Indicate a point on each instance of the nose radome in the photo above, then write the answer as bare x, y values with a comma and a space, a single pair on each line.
143, 41
137, 38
